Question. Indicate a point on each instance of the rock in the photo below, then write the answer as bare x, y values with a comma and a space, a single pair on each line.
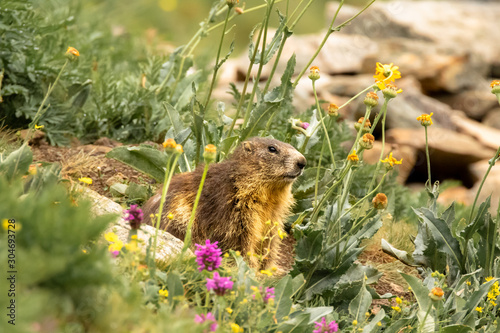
407, 153
469, 26
492, 118
489, 137
474, 103
168, 246
459, 194
96, 150
37, 136
491, 185
107, 142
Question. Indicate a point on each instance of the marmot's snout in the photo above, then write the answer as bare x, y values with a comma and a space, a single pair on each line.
298, 162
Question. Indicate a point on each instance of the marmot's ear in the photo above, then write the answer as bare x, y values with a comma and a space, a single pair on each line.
247, 145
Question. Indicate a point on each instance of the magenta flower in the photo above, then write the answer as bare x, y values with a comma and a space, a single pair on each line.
304, 125
209, 317
268, 294
219, 284
323, 327
208, 256
134, 216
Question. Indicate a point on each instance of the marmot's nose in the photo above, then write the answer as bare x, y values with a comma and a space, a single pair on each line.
301, 162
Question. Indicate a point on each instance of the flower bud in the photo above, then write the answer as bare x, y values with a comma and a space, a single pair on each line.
314, 74
232, 3
391, 91
366, 141
239, 10
353, 157
210, 153
495, 87
304, 125
371, 99
380, 201
367, 126
169, 146
72, 53
333, 110
178, 149
436, 294
425, 119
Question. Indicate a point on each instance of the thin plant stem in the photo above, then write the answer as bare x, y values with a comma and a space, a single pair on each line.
39, 112
316, 184
356, 96
216, 67
494, 242
245, 85
275, 65
428, 158
169, 172
261, 65
422, 325
187, 238
383, 111
327, 137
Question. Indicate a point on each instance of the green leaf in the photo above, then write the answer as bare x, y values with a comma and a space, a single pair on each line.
455, 329
478, 220
318, 312
273, 46
175, 118
17, 163
396, 326
145, 159
297, 324
372, 325
360, 304
175, 287
309, 246
442, 234
487, 248
478, 295
283, 293
398, 254
426, 252
136, 192
424, 302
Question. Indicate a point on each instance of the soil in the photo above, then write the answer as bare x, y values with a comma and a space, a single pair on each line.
90, 161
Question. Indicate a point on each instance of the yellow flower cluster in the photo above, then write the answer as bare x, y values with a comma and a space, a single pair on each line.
391, 160
494, 292
86, 180
116, 244
163, 293
425, 119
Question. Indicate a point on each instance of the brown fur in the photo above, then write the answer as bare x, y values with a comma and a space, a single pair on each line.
239, 196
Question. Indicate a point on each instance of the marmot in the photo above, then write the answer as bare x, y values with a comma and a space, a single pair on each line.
244, 199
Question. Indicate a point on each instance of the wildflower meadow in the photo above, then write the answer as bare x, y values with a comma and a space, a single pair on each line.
72, 263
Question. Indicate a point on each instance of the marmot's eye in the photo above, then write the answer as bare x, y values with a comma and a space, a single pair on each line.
272, 149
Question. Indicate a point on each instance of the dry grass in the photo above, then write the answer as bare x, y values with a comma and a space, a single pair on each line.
78, 165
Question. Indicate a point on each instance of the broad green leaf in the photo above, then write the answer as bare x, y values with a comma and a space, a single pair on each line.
372, 325
478, 220
283, 293
426, 252
272, 47
442, 234
309, 246
17, 163
487, 249
136, 192
175, 287
360, 304
318, 312
424, 302
455, 329
145, 159
175, 118
396, 326
398, 254
296, 324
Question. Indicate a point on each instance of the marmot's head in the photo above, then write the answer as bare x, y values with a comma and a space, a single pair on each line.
270, 160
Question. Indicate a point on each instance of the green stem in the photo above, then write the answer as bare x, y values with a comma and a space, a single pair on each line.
169, 172
421, 327
494, 242
245, 85
383, 111
317, 174
187, 238
216, 67
275, 65
320, 112
328, 33
39, 112
261, 66
428, 158
356, 96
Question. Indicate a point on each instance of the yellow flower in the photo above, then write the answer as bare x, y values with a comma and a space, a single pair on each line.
333, 110
495, 86
488, 279
371, 99
379, 324
244, 301
238, 253
254, 288
479, 309
425, 119
226, 255
281, 233
398, 300
72, 53
178, 149
39, 127
132, 246
396, 308
163, 293
493, 303
235, 328
86, 180
467, 283
170, 216
169, 145
389, 90
409, 289
229, 310
111, 237
354, 322
266, 272
391, 160
117, 246
494, 83
367, 314
353, 157
385, 74
210, 153
133, 237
